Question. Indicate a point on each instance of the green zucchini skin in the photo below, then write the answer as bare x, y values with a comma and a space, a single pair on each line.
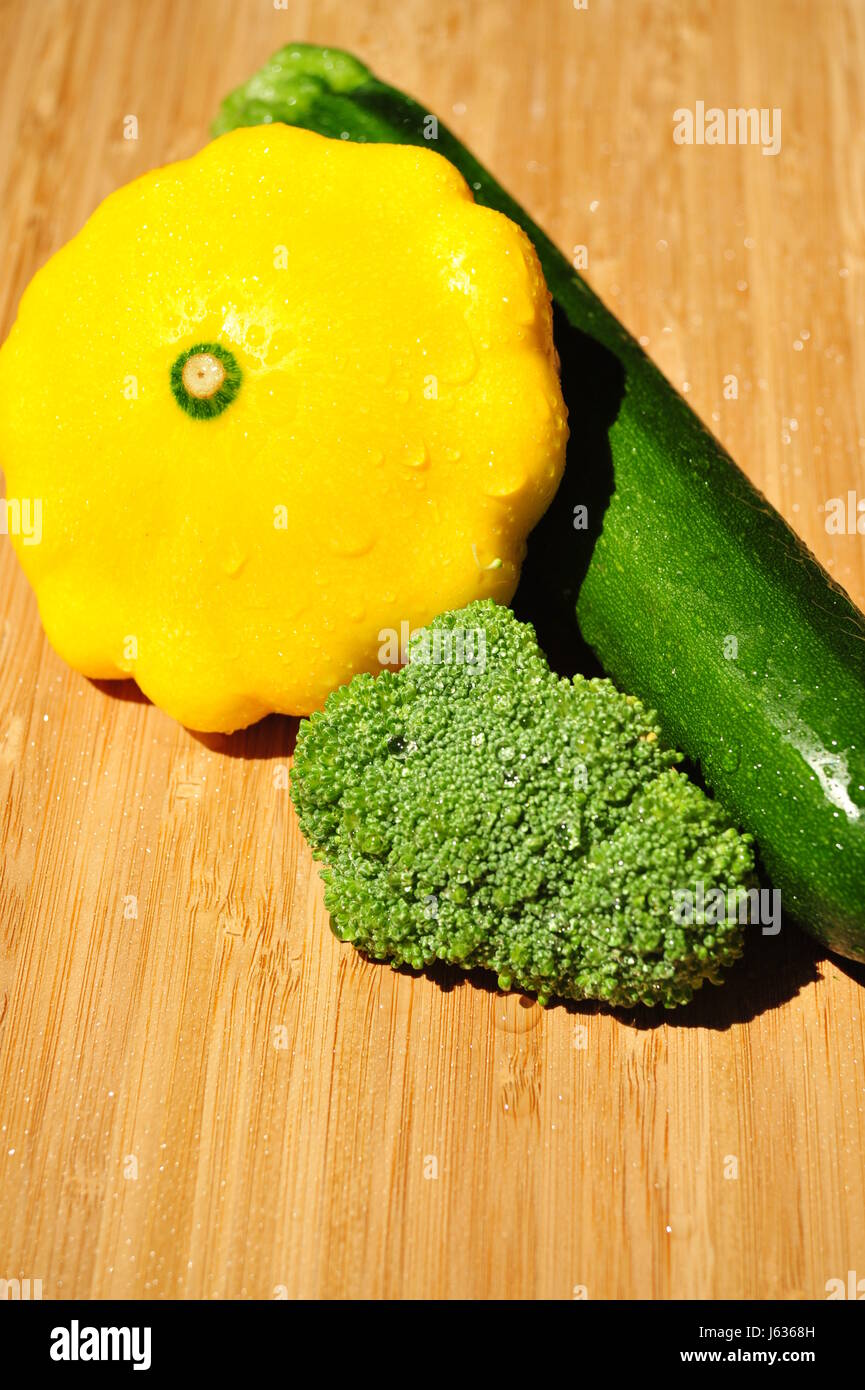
686, 555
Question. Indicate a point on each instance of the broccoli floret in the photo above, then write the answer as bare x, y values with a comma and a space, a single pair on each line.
478, 809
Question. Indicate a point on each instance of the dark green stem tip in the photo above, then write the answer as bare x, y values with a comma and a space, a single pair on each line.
205, 379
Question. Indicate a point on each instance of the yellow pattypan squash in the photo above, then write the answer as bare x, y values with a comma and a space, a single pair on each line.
274, 403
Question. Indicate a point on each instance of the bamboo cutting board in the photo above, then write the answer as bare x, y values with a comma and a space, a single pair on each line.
202, 1093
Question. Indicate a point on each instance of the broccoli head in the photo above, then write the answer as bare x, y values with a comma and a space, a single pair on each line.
476, 808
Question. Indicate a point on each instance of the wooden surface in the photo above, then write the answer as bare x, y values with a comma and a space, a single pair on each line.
214, 1098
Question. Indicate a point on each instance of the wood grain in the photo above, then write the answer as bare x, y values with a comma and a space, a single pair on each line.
213, 1098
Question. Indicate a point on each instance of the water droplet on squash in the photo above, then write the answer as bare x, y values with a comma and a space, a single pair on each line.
504, 476
351, 539
415, 454
233, 559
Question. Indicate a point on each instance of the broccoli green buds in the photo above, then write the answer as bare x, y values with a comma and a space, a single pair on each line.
478, 809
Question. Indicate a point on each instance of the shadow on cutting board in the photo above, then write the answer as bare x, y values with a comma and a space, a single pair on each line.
558, 555
772, 971
272, 738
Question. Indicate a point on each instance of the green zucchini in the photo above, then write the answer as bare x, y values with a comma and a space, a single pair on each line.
690, 588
